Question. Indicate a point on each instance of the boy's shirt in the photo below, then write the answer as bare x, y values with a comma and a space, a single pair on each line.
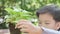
49, 31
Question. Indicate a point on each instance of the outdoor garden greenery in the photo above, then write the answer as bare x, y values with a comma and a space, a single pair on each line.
13, 10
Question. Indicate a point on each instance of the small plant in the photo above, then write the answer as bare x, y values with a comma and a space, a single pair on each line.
14, 16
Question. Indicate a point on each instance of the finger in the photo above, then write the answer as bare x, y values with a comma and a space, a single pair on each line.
24, 30
19, 24
23, 26
22, 23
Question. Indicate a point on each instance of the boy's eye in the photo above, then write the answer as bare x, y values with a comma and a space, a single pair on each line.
47, 23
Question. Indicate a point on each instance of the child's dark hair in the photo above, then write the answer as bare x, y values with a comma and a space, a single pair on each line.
54, 10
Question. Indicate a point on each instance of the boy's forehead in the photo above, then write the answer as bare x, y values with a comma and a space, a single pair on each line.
46, 17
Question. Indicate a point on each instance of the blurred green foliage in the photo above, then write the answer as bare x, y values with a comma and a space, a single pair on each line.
15, 16
17, 8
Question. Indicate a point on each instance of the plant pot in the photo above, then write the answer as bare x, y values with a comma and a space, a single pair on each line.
13, 30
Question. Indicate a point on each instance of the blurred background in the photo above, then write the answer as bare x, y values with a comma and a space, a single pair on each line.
13, 10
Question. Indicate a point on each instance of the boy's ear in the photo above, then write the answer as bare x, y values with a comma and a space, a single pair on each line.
58, 25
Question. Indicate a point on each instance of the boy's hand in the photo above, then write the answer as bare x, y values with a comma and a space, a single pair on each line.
28, 27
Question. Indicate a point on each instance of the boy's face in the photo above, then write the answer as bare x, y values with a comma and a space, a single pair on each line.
46, 20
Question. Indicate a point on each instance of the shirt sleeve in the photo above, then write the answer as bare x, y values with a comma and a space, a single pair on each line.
49, 31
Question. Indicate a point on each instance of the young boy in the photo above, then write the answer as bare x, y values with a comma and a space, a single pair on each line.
49, 21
